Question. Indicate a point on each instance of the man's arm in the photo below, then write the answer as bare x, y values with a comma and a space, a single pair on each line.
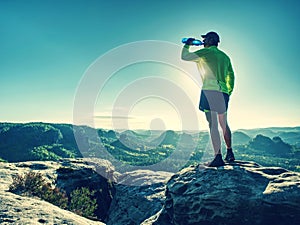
230, 79
187, 55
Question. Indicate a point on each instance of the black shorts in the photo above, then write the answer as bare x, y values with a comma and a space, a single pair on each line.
213, 101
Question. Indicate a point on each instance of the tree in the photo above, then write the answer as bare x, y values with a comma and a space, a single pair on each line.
83, 202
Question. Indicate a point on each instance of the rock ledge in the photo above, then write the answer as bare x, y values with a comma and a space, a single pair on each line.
238, 193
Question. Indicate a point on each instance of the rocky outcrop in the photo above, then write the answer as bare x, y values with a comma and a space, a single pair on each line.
127, 198
139, 194
238, 193
67, 174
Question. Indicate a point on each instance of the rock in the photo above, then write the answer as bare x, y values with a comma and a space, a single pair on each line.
68, 174
144, 177
139, 194
238, 193
15, 209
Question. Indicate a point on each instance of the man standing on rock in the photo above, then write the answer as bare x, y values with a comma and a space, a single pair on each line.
218, 80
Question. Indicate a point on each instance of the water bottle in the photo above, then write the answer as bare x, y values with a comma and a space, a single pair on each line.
195, 42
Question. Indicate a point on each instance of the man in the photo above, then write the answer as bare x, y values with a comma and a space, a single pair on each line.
218, 80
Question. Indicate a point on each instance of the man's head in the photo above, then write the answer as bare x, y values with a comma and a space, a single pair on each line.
211, 39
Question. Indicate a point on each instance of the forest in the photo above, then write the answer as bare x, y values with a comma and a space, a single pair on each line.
159, 150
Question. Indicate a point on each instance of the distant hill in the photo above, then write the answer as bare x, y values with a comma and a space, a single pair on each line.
290, 135
41, 141
169, 137
240, 138
107, 134
268, 145
37, 141
127, 142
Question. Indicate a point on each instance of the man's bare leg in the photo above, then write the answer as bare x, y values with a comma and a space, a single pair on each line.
227, 136
212, 119
225, 128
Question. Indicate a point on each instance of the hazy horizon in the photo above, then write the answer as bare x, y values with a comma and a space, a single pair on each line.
139, 129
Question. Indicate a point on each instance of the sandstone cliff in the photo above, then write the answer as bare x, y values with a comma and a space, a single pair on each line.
67, 174
127, 198
241, 193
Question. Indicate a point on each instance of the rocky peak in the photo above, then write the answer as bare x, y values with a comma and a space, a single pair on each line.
238, 193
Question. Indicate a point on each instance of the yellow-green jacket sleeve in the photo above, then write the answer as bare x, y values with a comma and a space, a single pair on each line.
187, 55
230, 79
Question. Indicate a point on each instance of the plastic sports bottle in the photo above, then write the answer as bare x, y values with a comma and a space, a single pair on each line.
195, 42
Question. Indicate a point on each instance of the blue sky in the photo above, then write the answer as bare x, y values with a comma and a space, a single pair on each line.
47, 46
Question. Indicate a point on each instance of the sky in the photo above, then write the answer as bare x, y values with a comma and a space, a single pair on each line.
49, 48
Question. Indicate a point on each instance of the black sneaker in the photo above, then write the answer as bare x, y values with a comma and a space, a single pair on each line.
217, 161
229, 156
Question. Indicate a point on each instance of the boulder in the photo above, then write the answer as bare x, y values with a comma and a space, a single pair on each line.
237, 193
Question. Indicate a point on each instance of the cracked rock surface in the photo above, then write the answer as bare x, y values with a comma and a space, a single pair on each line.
237, 193
16, 209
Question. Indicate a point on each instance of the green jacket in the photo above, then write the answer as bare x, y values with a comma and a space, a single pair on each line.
214, 66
